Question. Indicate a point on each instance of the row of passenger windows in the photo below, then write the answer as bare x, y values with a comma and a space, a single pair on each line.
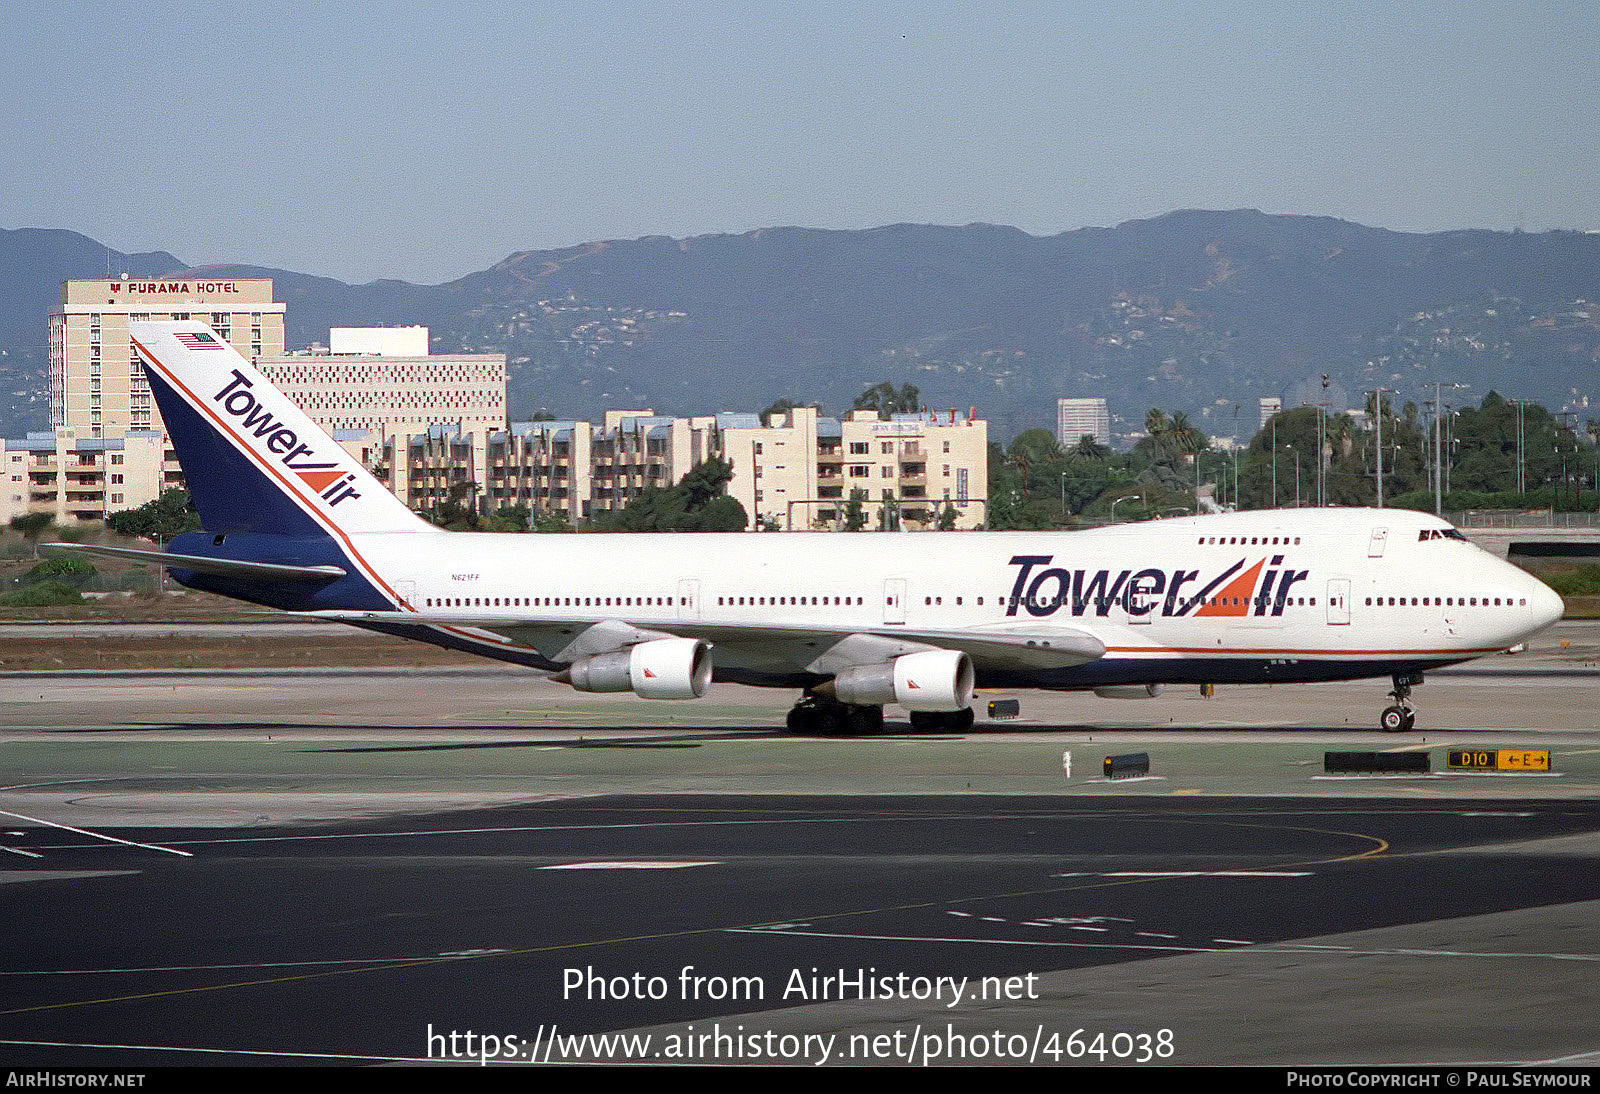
1108, 602
1250, 541
931, 601
787, 601
1444, 602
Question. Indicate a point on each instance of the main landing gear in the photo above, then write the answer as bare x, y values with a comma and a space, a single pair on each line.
819, 714
831, 718
941, 721
1400, 717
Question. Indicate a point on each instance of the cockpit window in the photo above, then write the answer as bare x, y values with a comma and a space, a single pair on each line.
1440, 533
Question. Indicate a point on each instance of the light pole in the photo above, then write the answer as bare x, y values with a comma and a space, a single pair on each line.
1377, 417
1118, 502
1274, 461
1522, 441
1438, 470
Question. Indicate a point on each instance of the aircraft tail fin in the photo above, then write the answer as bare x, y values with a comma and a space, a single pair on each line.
253, 461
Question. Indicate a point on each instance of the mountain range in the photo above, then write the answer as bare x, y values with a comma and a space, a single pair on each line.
1198, 311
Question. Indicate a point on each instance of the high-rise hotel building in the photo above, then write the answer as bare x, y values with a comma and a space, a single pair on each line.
98, 387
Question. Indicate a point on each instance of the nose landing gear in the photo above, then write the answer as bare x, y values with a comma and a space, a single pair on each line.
1400, 717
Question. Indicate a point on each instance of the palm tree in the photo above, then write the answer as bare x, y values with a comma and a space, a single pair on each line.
1185, 436
1090, 449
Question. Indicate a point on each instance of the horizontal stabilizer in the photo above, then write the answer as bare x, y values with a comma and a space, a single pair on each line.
201, 564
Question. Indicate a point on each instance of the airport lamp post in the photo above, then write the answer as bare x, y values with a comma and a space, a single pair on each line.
1118, 502
1522, 438
1274, 461
1438, 425
1377, 416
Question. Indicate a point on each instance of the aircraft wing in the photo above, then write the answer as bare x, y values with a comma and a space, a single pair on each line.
773, 647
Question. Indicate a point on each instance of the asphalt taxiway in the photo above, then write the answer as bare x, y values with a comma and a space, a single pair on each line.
360, 866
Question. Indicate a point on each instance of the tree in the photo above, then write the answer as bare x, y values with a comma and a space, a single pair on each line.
455, 513
698, 503
855, 511
513, 518
31, 525
1088, 448
172, 514
886, 400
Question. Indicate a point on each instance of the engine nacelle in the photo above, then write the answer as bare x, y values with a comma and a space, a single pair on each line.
937, 680
1129, 691
667, 668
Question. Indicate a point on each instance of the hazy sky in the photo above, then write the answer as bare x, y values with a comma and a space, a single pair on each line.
408, 140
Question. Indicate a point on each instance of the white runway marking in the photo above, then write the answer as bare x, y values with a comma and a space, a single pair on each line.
436, 958
980, 941
224, 1051
1230, 945
634, 865
97, 835
1191, 873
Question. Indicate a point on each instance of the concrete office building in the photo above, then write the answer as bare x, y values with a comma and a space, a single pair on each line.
1079, 418
1271, 407
379, 385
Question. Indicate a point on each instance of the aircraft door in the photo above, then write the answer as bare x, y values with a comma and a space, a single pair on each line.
1138, 603
688, 599
1338, 601
894, 600
1379, 540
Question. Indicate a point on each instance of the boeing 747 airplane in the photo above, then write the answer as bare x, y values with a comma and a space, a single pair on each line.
856, 622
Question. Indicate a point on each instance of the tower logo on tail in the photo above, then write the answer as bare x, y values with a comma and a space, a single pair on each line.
238, 399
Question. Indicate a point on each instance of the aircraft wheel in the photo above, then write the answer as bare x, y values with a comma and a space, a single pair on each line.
951, 721
802, 720
860, 721
1397, 719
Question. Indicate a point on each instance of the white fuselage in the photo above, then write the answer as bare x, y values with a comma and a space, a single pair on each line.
1274, 596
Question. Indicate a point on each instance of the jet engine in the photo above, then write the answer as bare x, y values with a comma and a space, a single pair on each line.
667, 668
937, 680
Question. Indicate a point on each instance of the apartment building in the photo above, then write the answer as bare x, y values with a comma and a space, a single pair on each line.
907, 471
79, 478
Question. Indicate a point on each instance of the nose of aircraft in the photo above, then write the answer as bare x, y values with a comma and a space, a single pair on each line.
1544, 603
